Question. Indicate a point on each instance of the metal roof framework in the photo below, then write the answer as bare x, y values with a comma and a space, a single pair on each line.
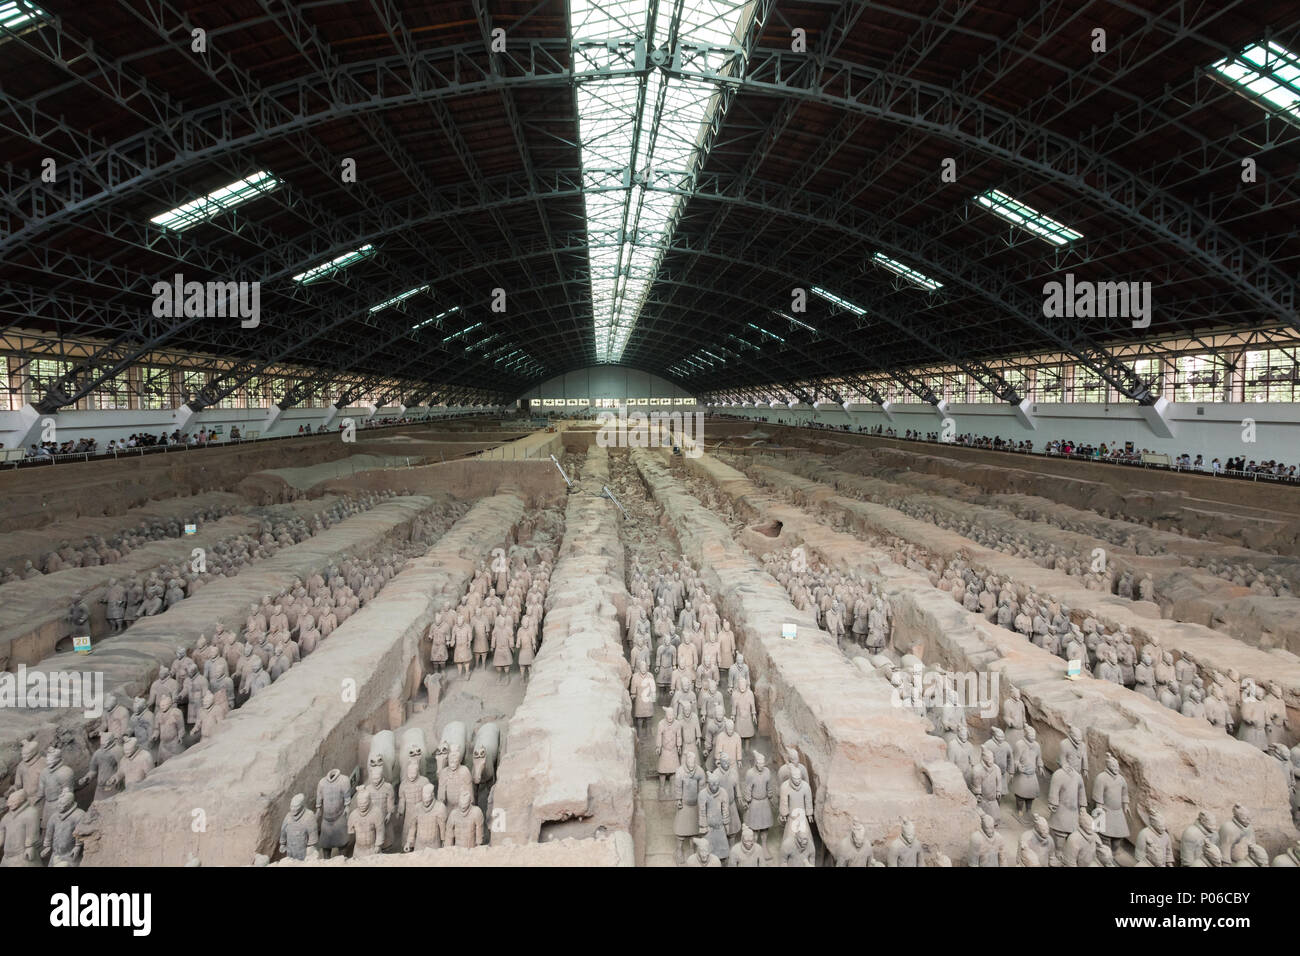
466, 121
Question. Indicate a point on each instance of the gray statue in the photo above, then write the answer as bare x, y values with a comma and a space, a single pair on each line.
1154, 843
331, 808
61, 846
1202, 832
298, 833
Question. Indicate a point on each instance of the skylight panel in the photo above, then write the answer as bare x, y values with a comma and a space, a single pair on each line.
790, 318
218, 201
400, 297
1268, 73
623, 145
436, 318
16, 14
482, 342
464, 331
834, 299
907, 272
759, 328
326, 269
1026, 217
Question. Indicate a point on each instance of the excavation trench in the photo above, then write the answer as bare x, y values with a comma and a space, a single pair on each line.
652, 547
1185, 591
869, 759
239, 782
128, 662
1211, 650
442, 707
570, 765
1173, 762
34, 614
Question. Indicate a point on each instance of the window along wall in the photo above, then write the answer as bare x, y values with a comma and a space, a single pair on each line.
164, 383
1232, 371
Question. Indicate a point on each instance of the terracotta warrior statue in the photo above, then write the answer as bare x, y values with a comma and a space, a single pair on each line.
795, 795
1110, 794
1081, 846
688, 781
747, 852
797, 847
987, 848
1203, 832
465, 823
668, 747
1235, 830
170, 727
298, 834
426, 823
331, 809
366, 824
61, 846
715, 812
855, 850
1038, 841
103, 767
1154, 842
1029, 764
20, 832
759, 789
701, 856
55, 778
455, 779
905, 849
1066, 796
135, 764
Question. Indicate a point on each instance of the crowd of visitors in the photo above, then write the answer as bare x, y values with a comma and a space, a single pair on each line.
1113, 452
176, 438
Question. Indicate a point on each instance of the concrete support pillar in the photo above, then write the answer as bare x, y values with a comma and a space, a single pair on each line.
331, 415
1157, 418
272, 419
30, 426
181, 418
1022, 415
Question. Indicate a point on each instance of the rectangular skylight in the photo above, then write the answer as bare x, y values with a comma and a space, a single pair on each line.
1269, 73
400, 297
338, 264
759, 328
218, 201
435, 318
464, 331
790, 318
16, 14
482, 342
1026, 217
622, 143
907, 272
834, 299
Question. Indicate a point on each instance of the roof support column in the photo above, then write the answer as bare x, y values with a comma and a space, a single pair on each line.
1022, 415
1157, 418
